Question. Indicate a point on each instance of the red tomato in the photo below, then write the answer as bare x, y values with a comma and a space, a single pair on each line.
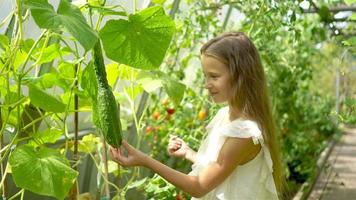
171, 111
179, 197
149, 129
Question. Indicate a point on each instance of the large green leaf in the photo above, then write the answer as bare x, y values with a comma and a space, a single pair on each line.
127, 72
50, 135
4, 42
47, 80
134, 91
350, 42
88, 143
150, 81
141, 41
112, 73
67, 16
43, 171
45, 101
89, 82
90, 85
174, 89
19, 58
50, 53
66, 70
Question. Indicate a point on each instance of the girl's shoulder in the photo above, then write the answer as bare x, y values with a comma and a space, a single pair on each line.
243, 128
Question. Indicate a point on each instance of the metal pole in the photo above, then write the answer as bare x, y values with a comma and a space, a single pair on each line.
337, 94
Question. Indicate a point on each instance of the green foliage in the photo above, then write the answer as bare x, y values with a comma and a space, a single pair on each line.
348, 116
49, 135
89, 82
152, 80
158, 188
141, 41
45, 101
67, 16
50, 53
325, 14
349, 2
44, 171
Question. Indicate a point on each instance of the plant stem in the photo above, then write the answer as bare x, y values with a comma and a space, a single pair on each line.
74, 191
4, 176
30, 52
105, 179
6, 18
21, 192
36, 120
4, 123
254, 21
106, 171
9, 147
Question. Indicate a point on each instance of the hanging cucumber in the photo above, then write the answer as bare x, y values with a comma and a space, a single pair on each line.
108, 113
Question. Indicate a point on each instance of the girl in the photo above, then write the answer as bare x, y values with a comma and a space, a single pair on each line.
239, 159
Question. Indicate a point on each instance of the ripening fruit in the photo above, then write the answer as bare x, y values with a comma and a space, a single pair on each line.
149, 129
179, 197
155, 115
202, 115
170, 111
165, 102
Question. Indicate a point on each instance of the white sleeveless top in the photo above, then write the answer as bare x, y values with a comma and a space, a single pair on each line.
250, 181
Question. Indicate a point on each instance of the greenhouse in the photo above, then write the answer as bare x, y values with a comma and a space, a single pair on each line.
177, 99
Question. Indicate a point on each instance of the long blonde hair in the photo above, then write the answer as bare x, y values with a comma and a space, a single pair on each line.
249, 85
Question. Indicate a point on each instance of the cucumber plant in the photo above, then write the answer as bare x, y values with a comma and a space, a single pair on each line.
22, 58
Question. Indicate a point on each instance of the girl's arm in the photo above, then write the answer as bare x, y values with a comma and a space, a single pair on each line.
235, 151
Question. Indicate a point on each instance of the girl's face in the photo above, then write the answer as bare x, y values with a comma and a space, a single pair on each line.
217, 78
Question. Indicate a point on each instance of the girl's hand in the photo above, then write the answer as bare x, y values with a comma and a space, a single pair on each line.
134, 157
177, 147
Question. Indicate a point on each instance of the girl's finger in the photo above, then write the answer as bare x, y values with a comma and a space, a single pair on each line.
172, 137
174, 146
127, 146
174, 142
120, 158
117, 154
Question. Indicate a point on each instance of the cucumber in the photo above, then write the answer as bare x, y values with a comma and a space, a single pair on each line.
108, 113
